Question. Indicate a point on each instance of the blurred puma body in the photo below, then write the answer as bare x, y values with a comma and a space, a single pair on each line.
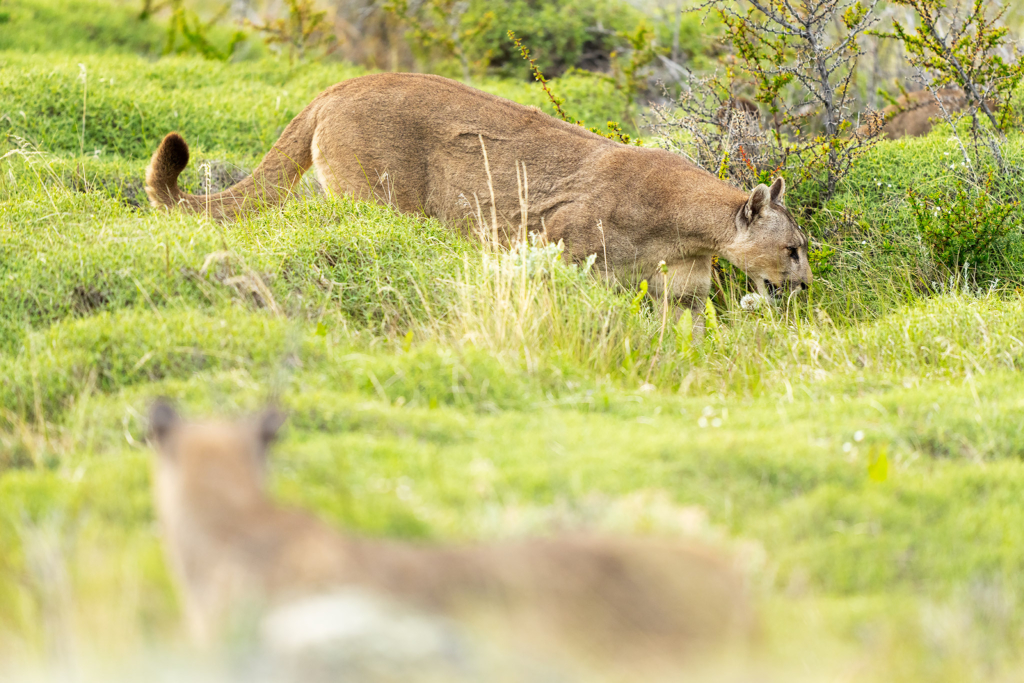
916, 113
417, 142
233, 549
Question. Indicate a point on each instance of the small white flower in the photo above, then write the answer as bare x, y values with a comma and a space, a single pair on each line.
847, 447
751, 302
717, 422
702, 422
858, 435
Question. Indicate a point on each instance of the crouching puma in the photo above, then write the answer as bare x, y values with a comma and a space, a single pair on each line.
428, 144
615, 600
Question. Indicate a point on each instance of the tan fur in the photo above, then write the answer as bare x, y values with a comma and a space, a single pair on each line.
417, 142
739, 105
231, 546
916, 113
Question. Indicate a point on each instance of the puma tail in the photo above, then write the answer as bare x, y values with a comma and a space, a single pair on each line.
268, 185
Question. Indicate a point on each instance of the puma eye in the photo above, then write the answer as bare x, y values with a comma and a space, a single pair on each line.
794, 253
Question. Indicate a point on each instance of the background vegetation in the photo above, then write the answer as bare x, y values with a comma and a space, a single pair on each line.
859, 450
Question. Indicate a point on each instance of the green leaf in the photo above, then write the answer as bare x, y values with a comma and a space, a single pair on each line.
634, 306
879, 469
710, 317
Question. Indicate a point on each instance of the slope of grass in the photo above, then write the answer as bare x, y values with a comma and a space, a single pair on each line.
128, 103
80, 27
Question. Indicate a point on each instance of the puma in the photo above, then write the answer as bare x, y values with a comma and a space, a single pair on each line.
231, 547
916, 113
428, 144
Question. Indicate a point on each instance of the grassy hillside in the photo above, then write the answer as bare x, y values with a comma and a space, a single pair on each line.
858, 452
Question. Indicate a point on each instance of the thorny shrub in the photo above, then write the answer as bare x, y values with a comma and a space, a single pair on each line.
966, 47
302, 31
440, 25
963, 228
802, 60
187, 32
614, 128
718, 131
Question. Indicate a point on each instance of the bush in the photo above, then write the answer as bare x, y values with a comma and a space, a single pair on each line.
561, 34
964, 227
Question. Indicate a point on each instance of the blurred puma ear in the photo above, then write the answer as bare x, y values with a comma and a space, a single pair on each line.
756, 203
268, 423
163, 419
778, 190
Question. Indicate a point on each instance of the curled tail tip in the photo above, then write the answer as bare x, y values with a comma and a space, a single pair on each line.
169, 160
174, 150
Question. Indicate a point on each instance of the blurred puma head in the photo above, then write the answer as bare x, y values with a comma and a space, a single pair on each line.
195, 455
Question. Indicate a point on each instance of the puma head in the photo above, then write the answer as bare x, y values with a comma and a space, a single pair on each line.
769, 246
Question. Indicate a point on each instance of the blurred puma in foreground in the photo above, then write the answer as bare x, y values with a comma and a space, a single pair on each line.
611, 601
428, 144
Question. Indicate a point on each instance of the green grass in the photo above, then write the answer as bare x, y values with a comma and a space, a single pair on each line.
129, 103
436, 390
82, 27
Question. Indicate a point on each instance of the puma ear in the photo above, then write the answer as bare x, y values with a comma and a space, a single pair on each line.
756, 203
163, 419
267, 425
778, 190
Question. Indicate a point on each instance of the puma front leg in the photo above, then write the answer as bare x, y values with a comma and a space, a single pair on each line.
688, 282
